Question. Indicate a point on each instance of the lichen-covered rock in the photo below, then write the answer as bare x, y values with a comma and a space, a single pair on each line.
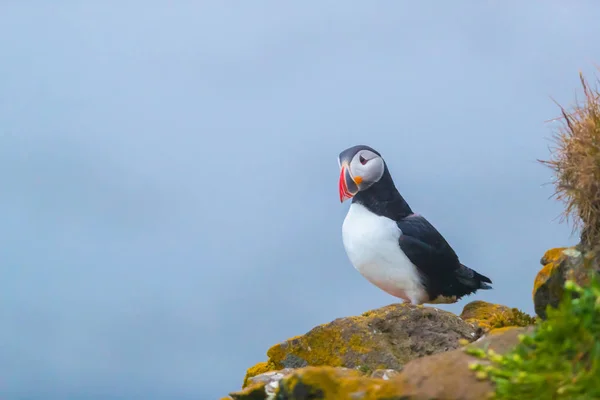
481, 313
548, 284
385, 338
384, 374
271, 376
251, 392
329, 383
489, 316
266, 385
559, 265
270, 379
497, 331
258, 369
439, 376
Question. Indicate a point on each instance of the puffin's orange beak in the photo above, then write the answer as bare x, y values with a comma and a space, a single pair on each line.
347, 186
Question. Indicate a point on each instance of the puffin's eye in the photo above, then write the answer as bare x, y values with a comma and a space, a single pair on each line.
362, 160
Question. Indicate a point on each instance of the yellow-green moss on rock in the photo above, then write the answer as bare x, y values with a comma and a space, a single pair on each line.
329, 383
252, 392
384, 338
559, 265
258, 369
548, 284
488, 316
497, 331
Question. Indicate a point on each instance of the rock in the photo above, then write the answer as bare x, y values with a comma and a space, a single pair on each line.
267, 384
489, 316
384, 374
340, 384
497, 331
501, 340
384, 338
560, 264
270, 379
447, 375
257, 369
251, 392
481, 313
271, 376
439, 376
549, 282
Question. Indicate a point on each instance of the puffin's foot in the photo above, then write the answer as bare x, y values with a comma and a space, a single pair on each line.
406, 302
414, 302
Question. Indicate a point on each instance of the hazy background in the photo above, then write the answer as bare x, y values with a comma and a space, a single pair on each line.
169, 205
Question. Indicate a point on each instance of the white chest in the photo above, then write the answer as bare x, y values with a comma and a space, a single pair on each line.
371, 243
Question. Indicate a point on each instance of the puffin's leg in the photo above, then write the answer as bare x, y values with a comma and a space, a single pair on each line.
414, 299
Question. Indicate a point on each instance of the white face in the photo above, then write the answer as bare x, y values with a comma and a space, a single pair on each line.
366, 167
360, 168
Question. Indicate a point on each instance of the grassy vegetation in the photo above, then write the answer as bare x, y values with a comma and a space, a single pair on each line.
559, 360
576, 164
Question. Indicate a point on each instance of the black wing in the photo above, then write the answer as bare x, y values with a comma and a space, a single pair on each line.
425, 246
437, 262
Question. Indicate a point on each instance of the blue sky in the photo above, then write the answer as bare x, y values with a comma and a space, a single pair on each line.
169, 175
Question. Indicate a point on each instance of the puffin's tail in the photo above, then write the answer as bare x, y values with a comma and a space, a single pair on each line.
472, 279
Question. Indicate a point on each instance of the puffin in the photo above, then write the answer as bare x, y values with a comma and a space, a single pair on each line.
395, 249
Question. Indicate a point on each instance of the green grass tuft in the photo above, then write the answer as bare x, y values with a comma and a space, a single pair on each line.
559, 360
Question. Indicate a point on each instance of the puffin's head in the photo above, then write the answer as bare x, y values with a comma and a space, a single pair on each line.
360, 168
